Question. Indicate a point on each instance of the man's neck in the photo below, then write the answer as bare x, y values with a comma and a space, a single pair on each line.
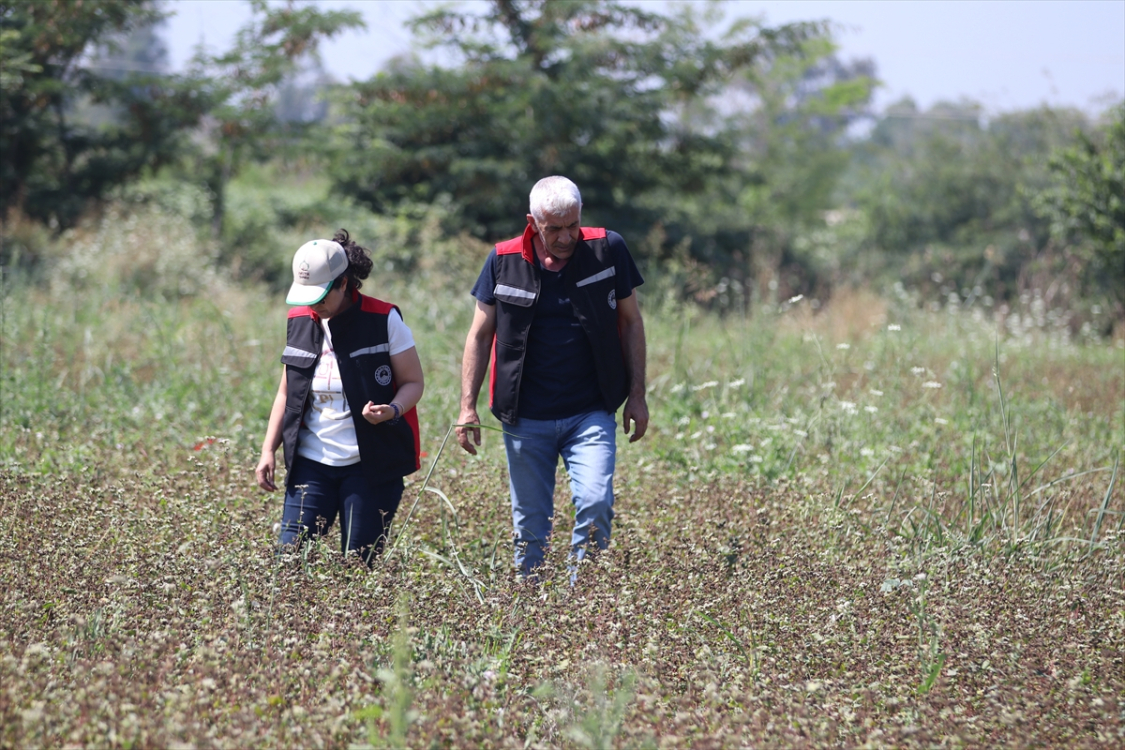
548, 261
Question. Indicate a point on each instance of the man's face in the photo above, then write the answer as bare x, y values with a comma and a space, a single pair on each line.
559, 232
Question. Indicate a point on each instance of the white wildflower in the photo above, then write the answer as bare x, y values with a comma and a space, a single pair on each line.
894, 327
871, 409
756, 459
736, 383
931, 384
939, 420
742, 448
866, 452
848, 406
874, 392
708, 384
795, 300
843, 346
918, 370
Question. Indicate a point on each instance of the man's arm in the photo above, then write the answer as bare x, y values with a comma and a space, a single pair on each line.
474, 363
631, 329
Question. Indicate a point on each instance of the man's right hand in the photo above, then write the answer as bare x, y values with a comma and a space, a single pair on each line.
467, 436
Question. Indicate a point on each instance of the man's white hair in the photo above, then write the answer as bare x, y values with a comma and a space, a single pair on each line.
554, 195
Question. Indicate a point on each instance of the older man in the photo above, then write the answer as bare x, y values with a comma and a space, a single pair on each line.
556, 310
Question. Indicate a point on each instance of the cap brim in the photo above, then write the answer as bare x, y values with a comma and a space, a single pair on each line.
307, 294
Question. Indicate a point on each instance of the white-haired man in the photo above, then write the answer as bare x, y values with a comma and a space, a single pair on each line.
557, 312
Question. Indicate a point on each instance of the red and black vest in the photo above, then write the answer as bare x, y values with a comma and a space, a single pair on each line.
361, 342
589, 280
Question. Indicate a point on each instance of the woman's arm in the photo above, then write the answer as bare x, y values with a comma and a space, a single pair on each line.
267, 464
407, 371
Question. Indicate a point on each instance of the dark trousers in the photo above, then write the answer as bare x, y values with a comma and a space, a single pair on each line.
316, 494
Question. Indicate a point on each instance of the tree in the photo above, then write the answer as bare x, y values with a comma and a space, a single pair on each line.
1085, 203
944, 193
52, 163
246, 84
61, 56
790, 139
604, 92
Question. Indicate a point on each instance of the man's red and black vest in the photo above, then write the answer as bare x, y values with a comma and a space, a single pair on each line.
589, 280
361, 342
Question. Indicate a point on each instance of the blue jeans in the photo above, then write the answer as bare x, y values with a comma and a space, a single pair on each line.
588, 448
317, 493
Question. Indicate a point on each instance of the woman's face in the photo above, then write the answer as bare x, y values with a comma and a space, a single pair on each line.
335, 302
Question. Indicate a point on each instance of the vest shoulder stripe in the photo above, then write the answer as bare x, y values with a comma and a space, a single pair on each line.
301, 311
593, 233
371, 350
292, 351
607, 273
511, 291
510, 247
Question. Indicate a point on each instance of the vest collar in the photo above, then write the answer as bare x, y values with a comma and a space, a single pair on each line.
528, 249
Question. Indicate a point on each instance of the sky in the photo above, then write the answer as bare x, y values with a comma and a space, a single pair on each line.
1004, 54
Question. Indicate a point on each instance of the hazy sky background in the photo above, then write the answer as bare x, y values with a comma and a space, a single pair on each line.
1005, 54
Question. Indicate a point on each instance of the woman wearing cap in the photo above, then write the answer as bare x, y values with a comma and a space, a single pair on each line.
342, 350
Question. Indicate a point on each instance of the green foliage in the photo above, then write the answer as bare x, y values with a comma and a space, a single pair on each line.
77, 124
247, 82
53, 161
939, 187
955, 203
1085, 202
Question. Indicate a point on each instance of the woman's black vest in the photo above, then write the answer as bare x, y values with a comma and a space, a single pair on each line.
361, 342
589, 280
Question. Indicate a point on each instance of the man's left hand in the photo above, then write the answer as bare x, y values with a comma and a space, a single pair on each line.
635, 415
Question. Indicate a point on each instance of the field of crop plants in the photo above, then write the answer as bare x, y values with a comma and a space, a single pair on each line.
877, 521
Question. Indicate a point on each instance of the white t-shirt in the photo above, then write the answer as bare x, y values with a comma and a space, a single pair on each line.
328, 434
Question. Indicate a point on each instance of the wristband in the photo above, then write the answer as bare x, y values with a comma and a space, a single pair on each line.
398, 411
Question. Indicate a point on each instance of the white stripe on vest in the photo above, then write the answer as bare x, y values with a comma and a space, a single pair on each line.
607, 273
292, 351
512, 291
372, 350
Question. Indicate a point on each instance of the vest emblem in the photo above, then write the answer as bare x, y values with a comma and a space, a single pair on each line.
383, 375
612, 299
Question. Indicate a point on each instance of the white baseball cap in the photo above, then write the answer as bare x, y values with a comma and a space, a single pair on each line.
315, 266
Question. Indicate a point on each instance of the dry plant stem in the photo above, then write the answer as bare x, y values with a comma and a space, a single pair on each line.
425, 482
1105, 505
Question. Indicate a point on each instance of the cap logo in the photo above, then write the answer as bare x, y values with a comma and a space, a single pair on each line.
303, 270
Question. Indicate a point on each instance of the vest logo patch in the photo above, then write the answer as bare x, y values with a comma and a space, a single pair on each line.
383, 375
612, 299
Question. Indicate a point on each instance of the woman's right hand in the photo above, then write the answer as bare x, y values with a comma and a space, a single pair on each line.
264, 473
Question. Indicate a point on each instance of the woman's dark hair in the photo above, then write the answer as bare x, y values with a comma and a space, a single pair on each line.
359, 260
